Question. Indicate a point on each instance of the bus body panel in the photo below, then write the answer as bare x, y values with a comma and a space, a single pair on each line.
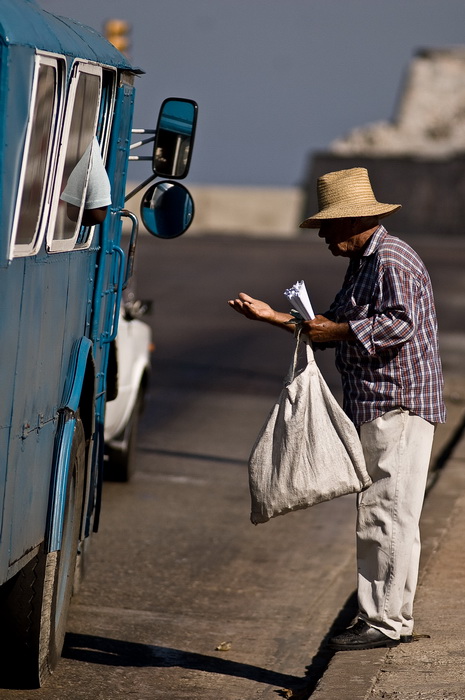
27, 488
50, 325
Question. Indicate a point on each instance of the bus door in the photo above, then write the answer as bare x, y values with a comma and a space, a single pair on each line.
112, 265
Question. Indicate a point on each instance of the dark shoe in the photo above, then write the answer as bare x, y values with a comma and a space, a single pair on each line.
406, 638
361, 636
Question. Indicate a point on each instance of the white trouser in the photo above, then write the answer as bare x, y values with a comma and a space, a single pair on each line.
397, 448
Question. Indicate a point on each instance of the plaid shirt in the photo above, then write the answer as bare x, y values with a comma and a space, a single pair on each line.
388, 302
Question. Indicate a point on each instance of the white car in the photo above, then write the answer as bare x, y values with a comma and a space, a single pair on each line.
129, 371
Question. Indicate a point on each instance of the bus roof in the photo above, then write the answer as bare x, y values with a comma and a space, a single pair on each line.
24, 23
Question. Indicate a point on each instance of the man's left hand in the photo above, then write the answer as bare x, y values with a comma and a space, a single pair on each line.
322, 330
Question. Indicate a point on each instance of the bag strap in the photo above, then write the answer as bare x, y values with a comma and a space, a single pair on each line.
308, 349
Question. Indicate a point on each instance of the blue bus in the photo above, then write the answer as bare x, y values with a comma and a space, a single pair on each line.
66, 100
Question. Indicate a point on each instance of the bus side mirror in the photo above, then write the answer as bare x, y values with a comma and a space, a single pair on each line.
174, 138
167, 209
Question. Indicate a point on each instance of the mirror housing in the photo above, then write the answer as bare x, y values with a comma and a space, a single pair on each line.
174, 138
167, 209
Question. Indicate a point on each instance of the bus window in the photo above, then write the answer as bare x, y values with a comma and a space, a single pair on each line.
79, 131
37, 156
107, 103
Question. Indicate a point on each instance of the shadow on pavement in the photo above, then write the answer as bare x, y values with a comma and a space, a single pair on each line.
115, 652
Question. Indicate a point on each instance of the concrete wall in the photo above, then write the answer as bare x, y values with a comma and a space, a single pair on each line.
257, 211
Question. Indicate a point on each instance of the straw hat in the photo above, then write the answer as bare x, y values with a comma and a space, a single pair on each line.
347, 193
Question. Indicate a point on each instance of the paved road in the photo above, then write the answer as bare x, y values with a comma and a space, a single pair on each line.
177, 569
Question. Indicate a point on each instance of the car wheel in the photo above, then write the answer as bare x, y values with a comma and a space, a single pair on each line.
121, 453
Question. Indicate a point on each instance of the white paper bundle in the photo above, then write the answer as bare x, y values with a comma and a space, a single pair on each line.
299, 300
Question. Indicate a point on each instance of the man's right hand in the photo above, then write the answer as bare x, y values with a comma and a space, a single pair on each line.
259, 311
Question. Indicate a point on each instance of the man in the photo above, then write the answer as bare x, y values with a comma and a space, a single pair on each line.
98, 192
383, 325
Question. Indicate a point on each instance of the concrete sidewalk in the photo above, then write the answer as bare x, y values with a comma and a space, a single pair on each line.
432, 667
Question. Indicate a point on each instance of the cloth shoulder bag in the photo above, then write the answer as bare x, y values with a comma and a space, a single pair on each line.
308, 450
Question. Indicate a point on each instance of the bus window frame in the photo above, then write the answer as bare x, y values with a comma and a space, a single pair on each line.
107, 120
103, 138
55, 245
58, 62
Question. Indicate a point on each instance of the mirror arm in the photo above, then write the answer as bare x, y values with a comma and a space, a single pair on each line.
137, 144
140, 187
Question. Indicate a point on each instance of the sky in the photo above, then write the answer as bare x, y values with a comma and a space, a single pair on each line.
275, 80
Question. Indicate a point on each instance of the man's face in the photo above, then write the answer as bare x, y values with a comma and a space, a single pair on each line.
339, 236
